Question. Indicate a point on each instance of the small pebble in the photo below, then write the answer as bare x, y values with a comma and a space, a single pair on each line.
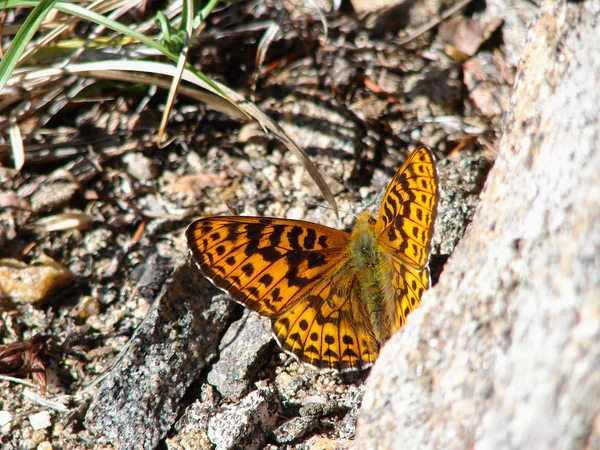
24, 283
40, 420
52, 196
140, 167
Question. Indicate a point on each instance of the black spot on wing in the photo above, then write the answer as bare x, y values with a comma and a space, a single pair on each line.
293, 237
323, 241
248, 269
310, 239
266, 280
316, 260
330, 353
311, 349
349, 353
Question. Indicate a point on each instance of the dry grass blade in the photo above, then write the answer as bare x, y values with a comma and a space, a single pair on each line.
16, 143
176, 81
55, 403
104, 69
261, 51
65, 222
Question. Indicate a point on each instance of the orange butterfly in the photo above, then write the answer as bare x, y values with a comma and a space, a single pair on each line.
334, 297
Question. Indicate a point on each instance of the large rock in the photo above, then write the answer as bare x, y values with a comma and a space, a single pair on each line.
139, 397
505, 352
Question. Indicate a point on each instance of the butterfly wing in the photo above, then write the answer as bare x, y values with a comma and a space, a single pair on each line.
263, 263
330, 327
408, 211
409, 285
405, 228
296, 272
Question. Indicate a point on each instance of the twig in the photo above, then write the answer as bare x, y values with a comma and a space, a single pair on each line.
46, 403
18, 381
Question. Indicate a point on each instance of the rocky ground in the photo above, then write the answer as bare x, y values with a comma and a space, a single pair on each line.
131, 346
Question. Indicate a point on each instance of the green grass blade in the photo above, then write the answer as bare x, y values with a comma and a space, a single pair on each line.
22, 38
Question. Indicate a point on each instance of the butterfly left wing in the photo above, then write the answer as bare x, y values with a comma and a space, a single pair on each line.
330, 327
409, 208
265, 264
409, 285
405, 229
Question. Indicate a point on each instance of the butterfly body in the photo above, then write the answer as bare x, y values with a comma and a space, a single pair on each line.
334, 297
374, 270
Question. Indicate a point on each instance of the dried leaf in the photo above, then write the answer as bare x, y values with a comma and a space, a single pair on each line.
192, 185
464, 36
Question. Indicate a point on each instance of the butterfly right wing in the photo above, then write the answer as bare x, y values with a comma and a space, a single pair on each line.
330, 326
265, 264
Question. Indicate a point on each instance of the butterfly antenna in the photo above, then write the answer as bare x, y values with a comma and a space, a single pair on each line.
229, 208
341, 211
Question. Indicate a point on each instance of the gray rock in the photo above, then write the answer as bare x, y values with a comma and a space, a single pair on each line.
150, 276
316, 408
517, 16
461, 182
49, 197
138, 399
97, 240
505, 351
294, 429
191, 430
247, 423
347, 427
241, 352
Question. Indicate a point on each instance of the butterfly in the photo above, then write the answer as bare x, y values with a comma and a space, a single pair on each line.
333, 297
